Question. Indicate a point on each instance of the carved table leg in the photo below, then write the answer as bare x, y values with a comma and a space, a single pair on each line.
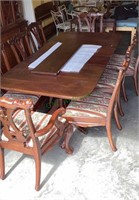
65, 144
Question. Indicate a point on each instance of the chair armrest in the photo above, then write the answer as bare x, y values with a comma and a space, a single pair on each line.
54, 121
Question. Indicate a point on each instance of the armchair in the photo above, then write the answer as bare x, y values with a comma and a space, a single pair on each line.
31, 133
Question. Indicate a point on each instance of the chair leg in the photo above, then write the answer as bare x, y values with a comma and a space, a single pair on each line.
136, 84
38, 171
124, 91
119, 106
117, 117
109, 135
2, 164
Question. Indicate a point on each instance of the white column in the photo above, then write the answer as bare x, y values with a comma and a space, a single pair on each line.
28, 11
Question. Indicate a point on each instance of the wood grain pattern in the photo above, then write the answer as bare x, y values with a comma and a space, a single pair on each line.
64, 85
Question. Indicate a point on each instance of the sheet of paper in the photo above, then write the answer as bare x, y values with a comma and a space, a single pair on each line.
80, 57
44, 56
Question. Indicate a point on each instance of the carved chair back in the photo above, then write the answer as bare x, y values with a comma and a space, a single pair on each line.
21, 46
31, 133
36, 29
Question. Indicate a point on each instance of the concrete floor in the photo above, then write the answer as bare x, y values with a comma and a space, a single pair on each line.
92, 172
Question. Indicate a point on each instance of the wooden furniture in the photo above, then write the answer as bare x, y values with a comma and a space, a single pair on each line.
133, 67
95, 111
61, 23
21, 46
31, 133
63, 85
15, 95
12, 22
36, 29
43, 14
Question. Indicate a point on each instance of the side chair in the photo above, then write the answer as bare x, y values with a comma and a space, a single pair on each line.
37, 33
60, 22
12, 94
117, 59
94, 111
21, 46
31, 133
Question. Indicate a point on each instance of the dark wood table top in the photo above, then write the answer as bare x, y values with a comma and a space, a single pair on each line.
63, 85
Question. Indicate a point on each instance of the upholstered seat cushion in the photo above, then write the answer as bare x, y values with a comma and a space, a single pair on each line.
84, 110
40, 120
100, 92
118, 59
95, 100
14, 95
107, 80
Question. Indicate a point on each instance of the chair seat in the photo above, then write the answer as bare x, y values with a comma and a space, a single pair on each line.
109, 80
85, 110
98, 92
117, 59
14, 95
40, 120
64, 26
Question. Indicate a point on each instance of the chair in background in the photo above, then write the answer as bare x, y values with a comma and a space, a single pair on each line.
31, 133
93, 111
60, 22
36, 29
81, 20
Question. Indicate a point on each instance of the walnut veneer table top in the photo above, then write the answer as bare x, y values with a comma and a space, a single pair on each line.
63, 85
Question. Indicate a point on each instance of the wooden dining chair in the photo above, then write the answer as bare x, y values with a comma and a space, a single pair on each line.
21, 46
16, 95
31, 133
117, 59
94, 110
36, 32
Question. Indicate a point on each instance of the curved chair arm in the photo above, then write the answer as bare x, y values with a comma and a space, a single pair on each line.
54, 121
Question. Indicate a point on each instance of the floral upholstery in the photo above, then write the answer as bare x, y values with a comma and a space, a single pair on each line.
14, 95
40, 120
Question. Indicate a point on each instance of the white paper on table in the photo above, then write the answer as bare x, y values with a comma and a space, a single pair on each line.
44, 56
80, 57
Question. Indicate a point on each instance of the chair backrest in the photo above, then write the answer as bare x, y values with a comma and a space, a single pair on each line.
82, 20
21, 46
62, 8
8, 111
36, 29
96, 19
57, 17
116, 91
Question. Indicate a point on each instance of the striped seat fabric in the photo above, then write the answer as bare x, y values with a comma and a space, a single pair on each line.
31, 133
15, 95
40, 120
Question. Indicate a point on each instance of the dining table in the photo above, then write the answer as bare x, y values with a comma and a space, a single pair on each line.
48, 78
